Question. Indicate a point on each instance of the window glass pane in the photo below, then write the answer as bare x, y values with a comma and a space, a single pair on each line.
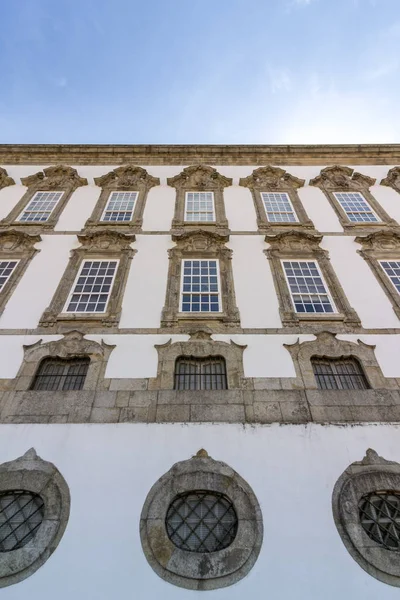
356, 207
200, 286
6, 269
278, 207
307, 288
199, 206
93, 286
41, 206
120, 206
392, 270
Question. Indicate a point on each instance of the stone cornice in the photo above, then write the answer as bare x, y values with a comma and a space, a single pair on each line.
82, 154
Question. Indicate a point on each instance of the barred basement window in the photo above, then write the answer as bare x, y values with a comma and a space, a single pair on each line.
6, 270
339, 374
278, 207
21, 514
92, 288
307, 288
120, 206
193, 373
40, 207
61, 374
199, 206
356, 207
380, 518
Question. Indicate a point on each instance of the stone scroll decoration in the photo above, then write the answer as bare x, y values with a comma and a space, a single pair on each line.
5, 180
392, 179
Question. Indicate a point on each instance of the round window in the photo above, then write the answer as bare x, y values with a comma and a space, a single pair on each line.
201, 521
380, 518
21, 514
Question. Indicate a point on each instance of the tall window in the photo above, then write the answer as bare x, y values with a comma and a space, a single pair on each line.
392, 270
92, 288
200, 286
278, 207
57, 374
307, 288
339, 374
120, 206
6, 269
356, 207
200, 373
199, 206
40, 207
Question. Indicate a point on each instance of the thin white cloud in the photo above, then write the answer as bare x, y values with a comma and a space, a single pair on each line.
280, 80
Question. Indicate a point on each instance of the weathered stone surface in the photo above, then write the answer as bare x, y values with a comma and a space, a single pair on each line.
173, 413
128, 384
267, 412
232, 413
137, 414
105, 399
105, 415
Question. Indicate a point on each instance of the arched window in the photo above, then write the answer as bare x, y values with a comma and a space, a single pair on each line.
343, 373
59, 374
193, 373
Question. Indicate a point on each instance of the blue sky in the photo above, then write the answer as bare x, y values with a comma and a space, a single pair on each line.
200, 71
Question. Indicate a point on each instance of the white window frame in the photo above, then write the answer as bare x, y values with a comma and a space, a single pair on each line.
386, 274
214, 312
378, 220
106, 209
71, 293
33, 200
328, 292
296, 218
213, 207
16, 261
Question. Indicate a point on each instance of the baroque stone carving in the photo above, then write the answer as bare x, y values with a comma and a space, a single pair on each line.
392, 179
5, 180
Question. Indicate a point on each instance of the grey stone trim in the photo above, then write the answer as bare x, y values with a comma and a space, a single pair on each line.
273, 179
5, 180
59, 178
344, 179
99, 245
205, 179
193, 570
392, 179
126, 178
200, 345
31, 473
371, 474
382, 245
203, 245
297, 245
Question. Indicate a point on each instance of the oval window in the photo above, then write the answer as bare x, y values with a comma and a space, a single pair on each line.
21, 514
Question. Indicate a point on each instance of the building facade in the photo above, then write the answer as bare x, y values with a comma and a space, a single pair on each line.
200, 371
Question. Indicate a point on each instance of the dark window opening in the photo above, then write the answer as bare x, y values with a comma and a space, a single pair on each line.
193, 373
21, 514
380, 518
339, 374
60, 374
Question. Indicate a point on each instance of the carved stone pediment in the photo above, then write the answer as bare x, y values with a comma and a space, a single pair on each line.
380, 240
59, 176
17, 241
327, 344
391, 180
72, 344
294, 241
127, 177
5, 180
199, 177
271, 178
200, 241
338, 178
106, 241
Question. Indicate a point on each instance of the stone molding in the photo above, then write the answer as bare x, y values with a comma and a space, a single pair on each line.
204, 179
125, 178
100, 245
300, 245
200, 244
193, 570
200, 345
344, 179
32, 474
392, 179
371, 474
274, 179
5, 180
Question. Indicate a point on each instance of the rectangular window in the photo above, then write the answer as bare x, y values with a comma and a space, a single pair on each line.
120, 206
200, 286
307, 288
6, 269
392, 270
92, 288
356, 207
40, 207
199, 206
278, 207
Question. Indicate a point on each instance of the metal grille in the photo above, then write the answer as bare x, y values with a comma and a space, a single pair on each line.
201, 521
41, 206
380, 518
193, 373
60, 374
339, 374
21, 514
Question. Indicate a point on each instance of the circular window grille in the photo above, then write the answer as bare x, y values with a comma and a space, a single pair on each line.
21, 513
201, 521
380, 518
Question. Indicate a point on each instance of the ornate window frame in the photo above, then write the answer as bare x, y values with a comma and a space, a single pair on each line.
392, 179
327, 345
33, 474
99, 245
5, 180
126, 178
377, 246
344, 179
194, 570
360, 478
201, 178
199, 244
298, 245
72, 345
274, 179
200, 345
58, 178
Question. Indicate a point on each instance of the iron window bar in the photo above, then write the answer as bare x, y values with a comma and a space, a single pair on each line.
192, 373
379, 514
61, 374
339, 374
21, 514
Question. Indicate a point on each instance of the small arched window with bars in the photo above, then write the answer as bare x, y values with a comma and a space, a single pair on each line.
59, 374
343, 373
192, 373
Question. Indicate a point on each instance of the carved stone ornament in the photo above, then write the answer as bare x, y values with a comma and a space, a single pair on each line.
271, 178
199, 177
373, 474
33, 475
393, 179
5, 180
